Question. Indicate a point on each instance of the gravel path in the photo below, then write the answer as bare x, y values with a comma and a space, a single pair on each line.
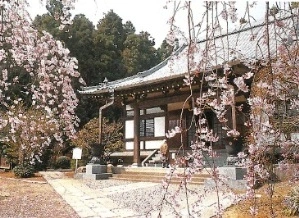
149, 201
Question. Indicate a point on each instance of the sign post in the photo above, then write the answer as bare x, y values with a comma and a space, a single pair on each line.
77, 153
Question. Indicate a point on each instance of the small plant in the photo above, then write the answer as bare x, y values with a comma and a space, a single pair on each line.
292, 202
24, 171
63, 162
80, 163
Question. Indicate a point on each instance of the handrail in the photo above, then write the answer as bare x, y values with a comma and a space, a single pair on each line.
148, 157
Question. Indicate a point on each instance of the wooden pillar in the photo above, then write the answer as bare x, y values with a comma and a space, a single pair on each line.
166, 119
136, 158
170, 160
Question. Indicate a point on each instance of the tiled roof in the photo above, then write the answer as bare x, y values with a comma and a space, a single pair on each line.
245, 44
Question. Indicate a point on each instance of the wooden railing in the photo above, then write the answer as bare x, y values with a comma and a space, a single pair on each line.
149, 157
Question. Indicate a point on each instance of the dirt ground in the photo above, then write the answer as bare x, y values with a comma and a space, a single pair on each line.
263, 202
31, 197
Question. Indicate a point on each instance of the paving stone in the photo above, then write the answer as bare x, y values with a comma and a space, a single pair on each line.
108, 203
74, 203
123, 212
59, 189
91, 203
86, 212
126, 188
103, 212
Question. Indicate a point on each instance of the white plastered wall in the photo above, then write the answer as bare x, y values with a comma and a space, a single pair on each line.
129, 127
159, 126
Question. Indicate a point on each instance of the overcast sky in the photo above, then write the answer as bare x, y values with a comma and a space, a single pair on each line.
146, 15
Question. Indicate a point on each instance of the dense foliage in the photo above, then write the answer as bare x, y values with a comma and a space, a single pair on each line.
112, 136
63, 162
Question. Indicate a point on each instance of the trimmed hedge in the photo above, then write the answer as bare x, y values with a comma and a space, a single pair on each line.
63, 162
23, 171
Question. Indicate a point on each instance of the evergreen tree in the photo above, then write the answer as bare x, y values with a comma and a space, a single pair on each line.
48, 23
54, 7
139, 53
109, 38
80, 43
129, 28
165, 50
81, 46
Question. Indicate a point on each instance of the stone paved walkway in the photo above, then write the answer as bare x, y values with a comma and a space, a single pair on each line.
85, 201
89, 203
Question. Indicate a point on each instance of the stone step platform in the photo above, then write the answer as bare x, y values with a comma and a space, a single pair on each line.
154, 174
153, 164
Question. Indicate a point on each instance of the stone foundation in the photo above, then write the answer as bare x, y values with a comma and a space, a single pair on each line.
234, 177
96, 172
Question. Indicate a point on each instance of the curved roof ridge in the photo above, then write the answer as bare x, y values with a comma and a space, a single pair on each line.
161, 64
146, 72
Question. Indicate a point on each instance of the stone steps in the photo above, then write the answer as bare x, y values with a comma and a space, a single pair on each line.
157, 179
147, 174
155, 160
153, 164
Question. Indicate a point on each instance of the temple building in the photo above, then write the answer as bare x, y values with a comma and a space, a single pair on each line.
158, 100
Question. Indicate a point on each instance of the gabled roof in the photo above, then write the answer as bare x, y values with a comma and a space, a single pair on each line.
245, 44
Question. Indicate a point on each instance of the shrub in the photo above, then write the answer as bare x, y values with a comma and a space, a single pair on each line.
23, 171
44, 161
292, 202
80, 163
89, 134
63, 162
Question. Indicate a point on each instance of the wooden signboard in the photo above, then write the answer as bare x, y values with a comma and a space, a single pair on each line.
77, 153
